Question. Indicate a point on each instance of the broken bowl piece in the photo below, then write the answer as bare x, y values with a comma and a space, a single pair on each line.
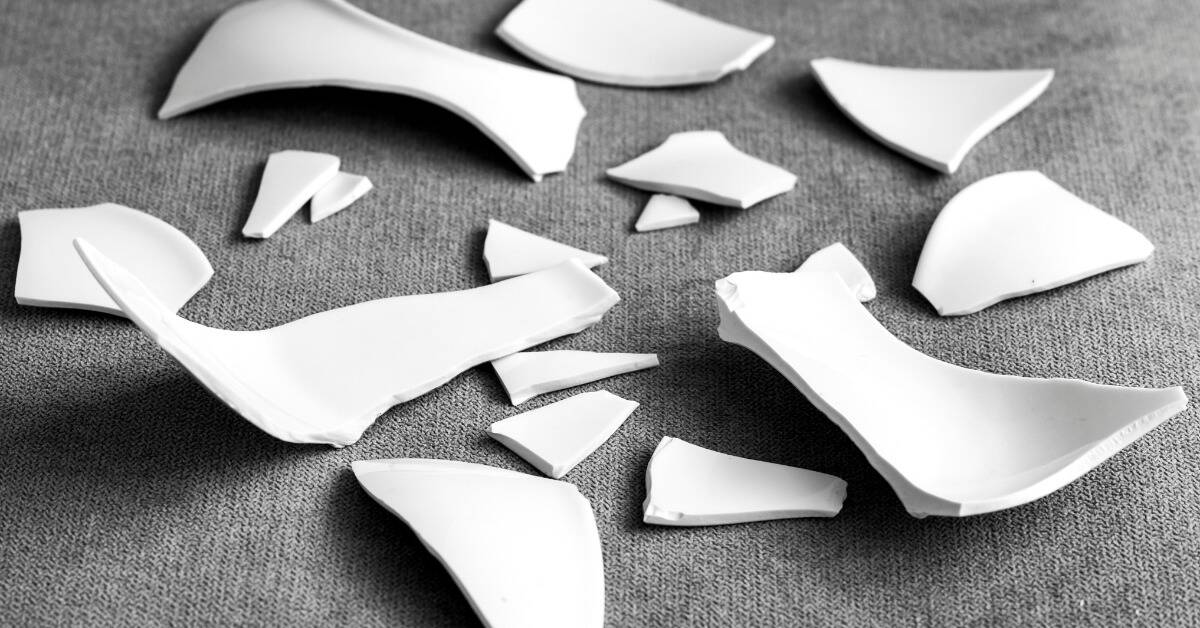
951, 441
342, 190
637, 43
688, 485
703, 165
838, 259
509, 251
528, 374
664, 211
325, 378
524, 550
932, 116
50, 273
290, 179
556, 437
1014, 234
265, 45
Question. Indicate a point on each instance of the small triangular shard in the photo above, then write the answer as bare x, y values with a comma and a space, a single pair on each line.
557, 437
528, 374
664, 211
509, 251
290, 179
342, 190
838, 259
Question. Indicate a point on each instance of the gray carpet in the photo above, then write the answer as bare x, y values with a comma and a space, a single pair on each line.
131, 496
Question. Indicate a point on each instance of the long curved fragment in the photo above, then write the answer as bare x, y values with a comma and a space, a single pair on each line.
951, 441
325, 378
264, 45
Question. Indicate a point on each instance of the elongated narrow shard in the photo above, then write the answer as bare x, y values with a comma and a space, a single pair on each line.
1015, 234
703, 165
528, 374
524, 550
290, 180
932, 116
688, 485
342, 190
951, 441
325, 378
50, 273
664, 211
509, 251
838, 259
556, 437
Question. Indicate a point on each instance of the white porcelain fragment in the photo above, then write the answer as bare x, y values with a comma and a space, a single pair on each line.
528, 374
290, 179
951, 441
703, 165
325, 378
1014, 234
50, 273
556, 437
838, 259
265, 45
932, 116
687, 485
509, 251
638, 43
342, 190
524, 550
664, 211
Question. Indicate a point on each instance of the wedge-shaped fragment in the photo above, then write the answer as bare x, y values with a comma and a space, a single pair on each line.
509, 251
688, 485
326, 377
638, 43
556, 437
664, 211
932, 116
290, 179
524, 550
703, 165
342, 190
528, 374
277, 44
950, 441
838, 259
50, 273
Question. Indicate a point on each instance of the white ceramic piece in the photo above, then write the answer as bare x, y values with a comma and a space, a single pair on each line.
264, 45
556, 437
338, 194
932, 116
1014, 234
509, 251
290, 179
664, 211
637, 43
325, 378
50, 273
524, 550
838, 259
951, 441
687, 485
703, 165
528, 374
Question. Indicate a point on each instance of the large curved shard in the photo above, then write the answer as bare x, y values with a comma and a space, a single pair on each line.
276, 44
325, 378
951, 441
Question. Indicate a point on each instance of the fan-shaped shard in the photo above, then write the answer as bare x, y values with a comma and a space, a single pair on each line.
1014, 234
637, 43
950, 441
838, 259
703, 165
50, 273
291, 178
556, 437
528, 374
264, 45
338, 194
688, 485
524, 550
664, 211
932, 116
509, 251
326, 377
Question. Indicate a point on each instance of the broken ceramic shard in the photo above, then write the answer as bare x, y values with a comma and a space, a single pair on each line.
951, 441
524, 550
688, 485
638, 43
509, 251
342, 190
1014, 234
703, 165
838, 259
277, 44
556, 437
528, 374
50, 273
290, 179
664, 211
932, 116
326, 377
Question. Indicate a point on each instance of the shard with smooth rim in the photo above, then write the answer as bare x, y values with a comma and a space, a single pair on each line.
556, 437
838, 259
290, 179
338, 194
509, 251
528, 374
664, 211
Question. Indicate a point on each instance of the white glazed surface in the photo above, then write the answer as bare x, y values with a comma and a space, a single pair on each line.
528, 374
